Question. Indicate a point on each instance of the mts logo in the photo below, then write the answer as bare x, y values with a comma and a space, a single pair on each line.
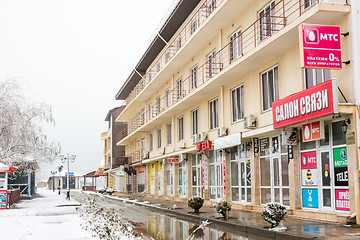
329, 37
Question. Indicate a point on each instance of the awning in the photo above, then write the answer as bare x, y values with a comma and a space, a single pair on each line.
4, 168
227, 141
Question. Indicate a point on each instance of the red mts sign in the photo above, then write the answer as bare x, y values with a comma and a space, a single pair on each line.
317, 101
320, 46
203, 146
312, 131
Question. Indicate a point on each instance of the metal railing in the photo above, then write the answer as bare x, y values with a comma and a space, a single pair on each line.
268, 24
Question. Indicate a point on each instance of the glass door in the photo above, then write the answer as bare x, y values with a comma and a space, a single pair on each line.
196, 175
326, 179
216, 176
170, 179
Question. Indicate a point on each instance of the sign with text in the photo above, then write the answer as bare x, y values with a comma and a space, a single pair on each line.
205, 173
3, 199
308, 160
313, 131
309, 171
173, 160
256, 147
320, 46
317, 101
342, 199
310, 198
289, 138
341, 167
203, 146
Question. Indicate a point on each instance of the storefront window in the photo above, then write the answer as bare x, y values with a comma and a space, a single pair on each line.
274, 177
240, 173
216, 175
197, 175
325, 171
170, 179
182, 179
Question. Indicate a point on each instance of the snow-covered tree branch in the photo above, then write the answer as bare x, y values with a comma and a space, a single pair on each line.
21, 133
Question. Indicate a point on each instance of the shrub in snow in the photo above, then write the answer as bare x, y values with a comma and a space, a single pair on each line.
106, 224
110, 191
102, 190
273, 213
224, 208
195, 203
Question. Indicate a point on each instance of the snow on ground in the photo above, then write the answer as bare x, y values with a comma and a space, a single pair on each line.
46, 216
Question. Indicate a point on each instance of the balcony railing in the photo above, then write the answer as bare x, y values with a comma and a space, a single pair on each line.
194, 23
136, 156
268, 24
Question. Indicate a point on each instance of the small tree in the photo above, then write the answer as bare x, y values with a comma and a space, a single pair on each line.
195, 203
224, 208
274, 213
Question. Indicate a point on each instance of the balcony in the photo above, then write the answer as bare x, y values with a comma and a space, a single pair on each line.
274, 31
136, 156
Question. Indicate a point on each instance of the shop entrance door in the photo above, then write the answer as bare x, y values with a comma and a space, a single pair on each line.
327, 186
197, 187
170, 179
216, 176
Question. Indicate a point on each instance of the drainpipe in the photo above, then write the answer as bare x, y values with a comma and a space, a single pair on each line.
355, 37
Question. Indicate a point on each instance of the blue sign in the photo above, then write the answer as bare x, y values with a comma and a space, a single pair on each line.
310, 198
71, 174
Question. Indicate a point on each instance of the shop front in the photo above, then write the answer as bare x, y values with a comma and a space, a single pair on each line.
140, 181
152, 178
160, 178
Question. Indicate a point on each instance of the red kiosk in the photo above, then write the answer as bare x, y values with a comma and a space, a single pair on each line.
4, 170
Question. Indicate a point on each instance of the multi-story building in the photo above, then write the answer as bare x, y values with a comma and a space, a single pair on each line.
114, 155
199, 108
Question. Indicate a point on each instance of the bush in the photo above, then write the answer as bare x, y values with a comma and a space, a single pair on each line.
273, 213
195, 203
223, 207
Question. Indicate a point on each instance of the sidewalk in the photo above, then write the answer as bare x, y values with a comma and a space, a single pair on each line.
246, 222
46, 215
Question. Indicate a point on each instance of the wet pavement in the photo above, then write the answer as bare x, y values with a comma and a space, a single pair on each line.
241, 222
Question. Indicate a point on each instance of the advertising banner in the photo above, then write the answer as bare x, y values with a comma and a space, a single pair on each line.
308, 160
341, 167
3, 199
320, 46
340, 157
342, 201
256, 147
289, 138
205, 173
313, 131
309, 177
310, 198
317, 101
173, 160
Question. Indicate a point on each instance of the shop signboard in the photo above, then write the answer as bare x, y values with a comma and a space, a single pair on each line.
205, 173
320, 46
224, 172
289, 138
310, 198
341, 167
141, 169
317, 101
342, 199
309, 170
173, 160
313, 131
203, 146
256, 147
3, 199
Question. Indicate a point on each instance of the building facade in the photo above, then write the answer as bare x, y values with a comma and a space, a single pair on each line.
210, 109
114, 155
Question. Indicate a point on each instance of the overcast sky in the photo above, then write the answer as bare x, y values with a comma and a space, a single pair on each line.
74, 55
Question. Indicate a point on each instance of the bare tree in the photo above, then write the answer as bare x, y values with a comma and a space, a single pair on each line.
21, 133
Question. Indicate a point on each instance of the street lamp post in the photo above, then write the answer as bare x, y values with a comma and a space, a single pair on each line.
53, 179
68, 158
59, 170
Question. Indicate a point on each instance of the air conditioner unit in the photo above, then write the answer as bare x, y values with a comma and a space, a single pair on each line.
182, 157
249, 121
202, 137
145, 155
195, 139
222, 131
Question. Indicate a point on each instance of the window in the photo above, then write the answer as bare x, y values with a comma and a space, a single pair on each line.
237, 98
159, 137
211, 64
180, 88
267, 20
211, 7
194, 77
158, 105
150, 111
213, 110
270, 87
142, 116
235, 45
315, 76
167, 97
193, 26
308, 3
151, 141
195, 121
168, 128
181, 128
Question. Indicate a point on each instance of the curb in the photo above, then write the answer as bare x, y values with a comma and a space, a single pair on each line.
234, 228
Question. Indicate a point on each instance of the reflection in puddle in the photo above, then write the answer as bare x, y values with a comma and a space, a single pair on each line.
162, 227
